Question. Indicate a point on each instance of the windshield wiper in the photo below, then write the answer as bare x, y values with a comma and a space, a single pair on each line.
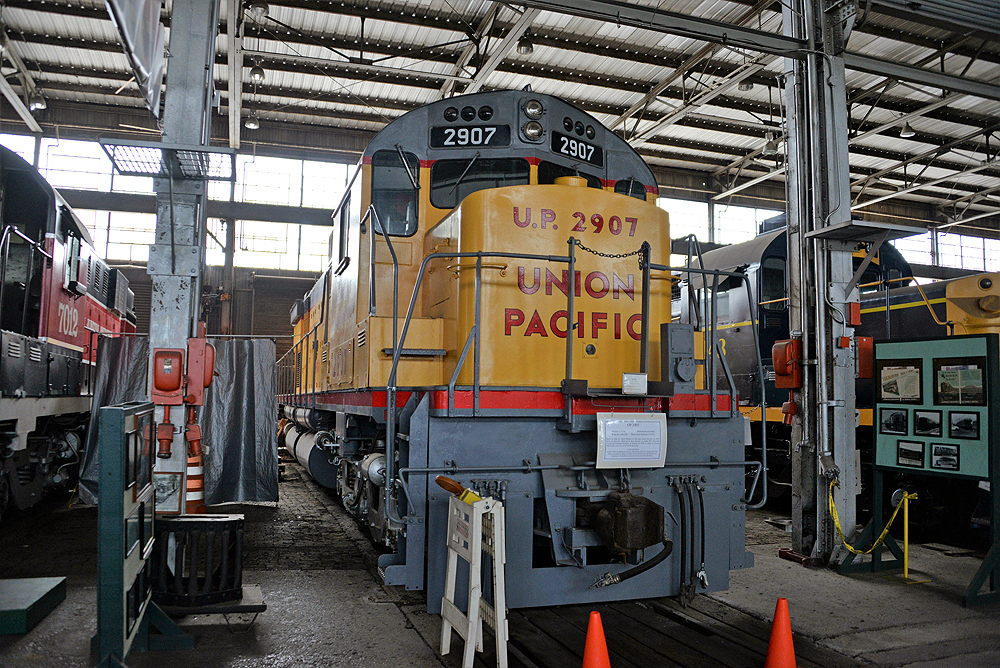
462, 177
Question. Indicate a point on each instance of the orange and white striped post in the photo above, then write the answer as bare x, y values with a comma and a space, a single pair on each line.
195, 492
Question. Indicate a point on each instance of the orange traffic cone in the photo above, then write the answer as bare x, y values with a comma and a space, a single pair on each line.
780, 653
595, 653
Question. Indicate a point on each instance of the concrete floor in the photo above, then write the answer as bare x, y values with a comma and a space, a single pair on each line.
326, 608
878, 618
314, 566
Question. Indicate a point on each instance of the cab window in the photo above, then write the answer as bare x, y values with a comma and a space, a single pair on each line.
772, 284
453, 180
631, 187
393, 194
871, 280
548, 172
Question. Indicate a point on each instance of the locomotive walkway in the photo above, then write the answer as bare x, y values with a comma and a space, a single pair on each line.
326, 608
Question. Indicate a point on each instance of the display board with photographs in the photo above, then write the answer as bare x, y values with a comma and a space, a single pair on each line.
933, 407
900, 380
959, 381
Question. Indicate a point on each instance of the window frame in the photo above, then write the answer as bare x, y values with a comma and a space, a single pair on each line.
415, 167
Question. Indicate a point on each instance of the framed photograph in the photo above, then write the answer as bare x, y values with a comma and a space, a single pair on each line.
893, 421
147, 528
959, 381
900, 381
130, 458
910, 453
963, 425
144, 441
926, 423
944, 456
169, 492
133, 531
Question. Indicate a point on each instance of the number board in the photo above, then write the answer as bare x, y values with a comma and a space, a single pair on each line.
577, 148
463, 136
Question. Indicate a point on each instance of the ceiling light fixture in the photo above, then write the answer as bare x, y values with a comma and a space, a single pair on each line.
745, 86
770, 145
258, 9
252, 122
257, 74
36, 102
525, 46
906, 131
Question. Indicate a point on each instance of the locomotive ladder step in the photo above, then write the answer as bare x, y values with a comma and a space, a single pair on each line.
417, 352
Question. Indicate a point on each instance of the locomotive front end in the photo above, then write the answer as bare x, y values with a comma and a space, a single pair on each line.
524, 301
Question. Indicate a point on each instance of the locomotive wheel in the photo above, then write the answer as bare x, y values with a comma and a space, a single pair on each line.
351, 489
376, 513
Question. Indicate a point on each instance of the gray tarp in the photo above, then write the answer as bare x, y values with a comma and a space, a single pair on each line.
237, 422
120, 378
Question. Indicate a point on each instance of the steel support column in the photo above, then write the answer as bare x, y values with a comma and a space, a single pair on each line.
175, 259
823, 436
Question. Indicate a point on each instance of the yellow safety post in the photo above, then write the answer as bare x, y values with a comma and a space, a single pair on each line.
906, 532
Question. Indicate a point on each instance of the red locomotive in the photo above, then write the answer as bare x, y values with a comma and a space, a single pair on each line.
56, 297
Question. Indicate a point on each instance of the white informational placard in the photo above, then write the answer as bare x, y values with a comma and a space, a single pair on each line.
631, 440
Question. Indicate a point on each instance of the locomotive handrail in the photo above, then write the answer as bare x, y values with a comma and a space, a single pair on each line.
390, 417
399, 338
888, 280
947, 323
457, 268
760, 363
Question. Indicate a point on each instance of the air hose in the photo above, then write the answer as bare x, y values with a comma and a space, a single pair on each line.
702, 575
610, 579
684, 536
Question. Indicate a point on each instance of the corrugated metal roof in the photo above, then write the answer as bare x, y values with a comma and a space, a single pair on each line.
601, 66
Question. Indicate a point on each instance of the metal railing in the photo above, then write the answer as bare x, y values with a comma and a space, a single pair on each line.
713, 353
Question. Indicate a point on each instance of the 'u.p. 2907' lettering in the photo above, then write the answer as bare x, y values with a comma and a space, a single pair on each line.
547, 219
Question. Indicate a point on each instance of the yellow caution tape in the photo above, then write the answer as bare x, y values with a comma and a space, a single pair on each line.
836, 521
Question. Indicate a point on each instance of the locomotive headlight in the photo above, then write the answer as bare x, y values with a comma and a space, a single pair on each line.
985, 283
533, 109
533, 130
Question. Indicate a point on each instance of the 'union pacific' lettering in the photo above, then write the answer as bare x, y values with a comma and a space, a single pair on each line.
535, 324
596, 283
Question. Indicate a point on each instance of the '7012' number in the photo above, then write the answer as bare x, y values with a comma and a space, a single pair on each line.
597, 220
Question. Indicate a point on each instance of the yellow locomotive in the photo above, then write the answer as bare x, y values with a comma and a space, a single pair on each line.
493, 311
